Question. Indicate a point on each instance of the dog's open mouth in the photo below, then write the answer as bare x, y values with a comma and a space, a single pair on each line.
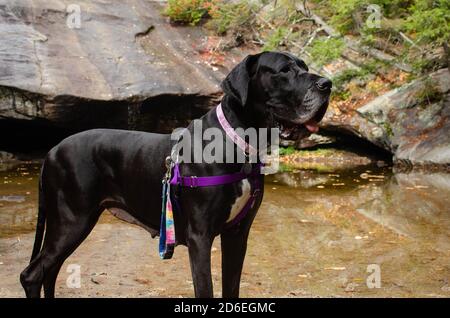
294, 132
295, 129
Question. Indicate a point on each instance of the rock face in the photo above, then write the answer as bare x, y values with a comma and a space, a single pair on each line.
102, 67
412, 122
104, 63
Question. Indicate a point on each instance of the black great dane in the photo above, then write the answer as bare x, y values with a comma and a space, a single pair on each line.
121, 171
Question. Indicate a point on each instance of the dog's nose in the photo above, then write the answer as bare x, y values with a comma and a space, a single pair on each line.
323, 83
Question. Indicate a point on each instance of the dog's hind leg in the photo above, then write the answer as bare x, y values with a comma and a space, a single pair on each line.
50, 279
59, 247
61, 240
69, 203
32, 278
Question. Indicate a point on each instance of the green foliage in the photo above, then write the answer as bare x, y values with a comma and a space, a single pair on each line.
368, 38
348, 74
285, 151
285, 168
275, 39
426, 22
388, 129
429, 94
187, 11
392, 8
344, 77
343, 9
227, 16
340, 94
318, 152
421, 65
430, 21
325, 50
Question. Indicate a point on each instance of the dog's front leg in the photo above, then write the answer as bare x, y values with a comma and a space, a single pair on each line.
199, 247
234, 247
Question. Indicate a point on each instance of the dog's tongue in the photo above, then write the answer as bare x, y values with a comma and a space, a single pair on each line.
311, 125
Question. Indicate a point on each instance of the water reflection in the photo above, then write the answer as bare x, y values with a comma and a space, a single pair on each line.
328, 227
414, 204
18, 197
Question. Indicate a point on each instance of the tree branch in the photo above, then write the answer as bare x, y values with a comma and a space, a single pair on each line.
352, 44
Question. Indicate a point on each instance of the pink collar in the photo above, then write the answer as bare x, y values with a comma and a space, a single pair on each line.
248, 149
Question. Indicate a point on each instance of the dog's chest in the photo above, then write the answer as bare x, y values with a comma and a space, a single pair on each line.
241, 200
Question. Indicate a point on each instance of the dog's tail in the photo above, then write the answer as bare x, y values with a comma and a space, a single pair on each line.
40, 227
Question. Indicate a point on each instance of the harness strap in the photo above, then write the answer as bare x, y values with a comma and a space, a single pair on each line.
194, 181
255, 189
207, 181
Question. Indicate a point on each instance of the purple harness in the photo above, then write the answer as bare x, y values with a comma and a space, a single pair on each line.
166, 248
193, 182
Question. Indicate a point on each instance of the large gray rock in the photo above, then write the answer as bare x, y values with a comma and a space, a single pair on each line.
123, 54
101, 60
412, 122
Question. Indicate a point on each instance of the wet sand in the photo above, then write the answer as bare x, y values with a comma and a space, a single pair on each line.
314, 236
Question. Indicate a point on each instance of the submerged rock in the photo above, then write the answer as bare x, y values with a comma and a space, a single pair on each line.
6, 157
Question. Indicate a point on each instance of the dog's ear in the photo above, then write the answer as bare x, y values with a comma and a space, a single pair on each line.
236, 84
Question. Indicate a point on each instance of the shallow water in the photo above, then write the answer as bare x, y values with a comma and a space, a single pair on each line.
315, 234
18, 197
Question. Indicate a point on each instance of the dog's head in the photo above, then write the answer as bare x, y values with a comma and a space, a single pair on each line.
279, 91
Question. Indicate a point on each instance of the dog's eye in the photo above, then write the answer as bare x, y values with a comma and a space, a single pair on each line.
285, 69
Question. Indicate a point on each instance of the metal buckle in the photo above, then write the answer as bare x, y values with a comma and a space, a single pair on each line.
168, 162
255, 193
194, 183
247, 154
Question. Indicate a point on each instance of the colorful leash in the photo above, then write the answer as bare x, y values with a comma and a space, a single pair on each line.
167, 228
